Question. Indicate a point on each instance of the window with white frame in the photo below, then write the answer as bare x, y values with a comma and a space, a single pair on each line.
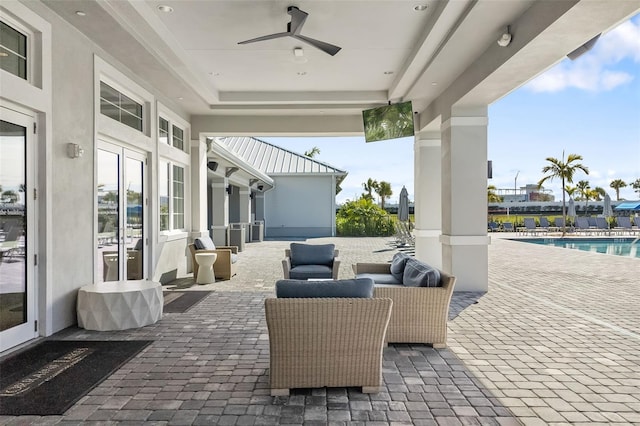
163, 191
13, 51
178, 138
120, 107
163, 131
170, 134
178, 197
171, 192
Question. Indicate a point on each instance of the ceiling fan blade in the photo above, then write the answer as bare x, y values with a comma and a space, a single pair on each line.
298, 17
267, 37
325, 47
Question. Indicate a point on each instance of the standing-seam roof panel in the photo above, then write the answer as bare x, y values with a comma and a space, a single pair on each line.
272, 159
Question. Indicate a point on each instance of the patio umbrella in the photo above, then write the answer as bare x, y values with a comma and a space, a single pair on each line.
403, 205
607, 211
571, 210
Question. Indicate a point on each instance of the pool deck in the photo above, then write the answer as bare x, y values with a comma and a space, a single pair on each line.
555, 340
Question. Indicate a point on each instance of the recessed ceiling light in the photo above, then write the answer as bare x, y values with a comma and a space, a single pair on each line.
164, 8
420, 7
180, 98
434, 83
81, 13
388, 72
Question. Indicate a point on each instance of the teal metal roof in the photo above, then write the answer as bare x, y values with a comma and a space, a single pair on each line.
629, 205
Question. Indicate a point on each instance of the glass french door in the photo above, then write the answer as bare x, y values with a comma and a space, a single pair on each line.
121, 208
17, 229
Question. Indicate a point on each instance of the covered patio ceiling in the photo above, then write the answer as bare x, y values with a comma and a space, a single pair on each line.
443, 55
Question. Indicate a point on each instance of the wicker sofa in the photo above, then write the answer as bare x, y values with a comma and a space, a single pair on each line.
326, 341
419, 313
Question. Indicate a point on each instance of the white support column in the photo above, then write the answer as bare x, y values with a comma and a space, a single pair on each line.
219, 210
245, 205
428, 199
259, 201
198, 189
464, 198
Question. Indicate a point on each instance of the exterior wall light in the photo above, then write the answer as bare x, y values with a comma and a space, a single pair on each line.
74, 150
505, 39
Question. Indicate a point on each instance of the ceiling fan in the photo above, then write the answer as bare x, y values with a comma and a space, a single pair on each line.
293, 30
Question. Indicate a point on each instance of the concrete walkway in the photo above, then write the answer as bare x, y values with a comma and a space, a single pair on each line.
556, 340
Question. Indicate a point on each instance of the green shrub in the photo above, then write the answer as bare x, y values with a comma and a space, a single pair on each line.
362, 218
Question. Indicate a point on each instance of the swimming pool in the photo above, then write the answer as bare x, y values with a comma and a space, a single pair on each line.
628, 247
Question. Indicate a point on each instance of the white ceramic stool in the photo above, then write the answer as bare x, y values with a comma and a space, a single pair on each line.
119, 305
205, 261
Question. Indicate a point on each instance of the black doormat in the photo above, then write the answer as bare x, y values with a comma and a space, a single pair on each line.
178, 302
50, 377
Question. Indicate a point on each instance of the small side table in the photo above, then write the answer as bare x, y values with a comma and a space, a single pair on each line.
206, 274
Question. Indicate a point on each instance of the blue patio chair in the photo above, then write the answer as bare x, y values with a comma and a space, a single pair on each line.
531, 227
602, 225
507, 227
582, 225
624, 225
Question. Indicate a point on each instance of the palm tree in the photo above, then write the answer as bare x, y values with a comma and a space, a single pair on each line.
586, 193
636, 186
598, 193
492, 197
384, 191
370, 185
616, 184
570, 190
312, 152
564, 171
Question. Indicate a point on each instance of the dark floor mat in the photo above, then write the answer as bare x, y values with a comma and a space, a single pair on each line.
50, 377
183, 302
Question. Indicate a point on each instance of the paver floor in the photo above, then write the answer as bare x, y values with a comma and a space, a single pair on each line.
554, 341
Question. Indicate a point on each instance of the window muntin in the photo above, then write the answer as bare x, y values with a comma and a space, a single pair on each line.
163, 192
13, 51
120, 107
170, 134
178, 197
178, 138
163, 131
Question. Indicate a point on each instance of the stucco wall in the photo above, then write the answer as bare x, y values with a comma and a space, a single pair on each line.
172, 262
72, 205
300, 206
72, 202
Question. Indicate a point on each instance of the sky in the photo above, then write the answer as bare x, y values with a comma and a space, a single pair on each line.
590, 107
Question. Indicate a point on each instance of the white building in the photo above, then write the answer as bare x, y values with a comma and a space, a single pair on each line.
108, 108
303, 200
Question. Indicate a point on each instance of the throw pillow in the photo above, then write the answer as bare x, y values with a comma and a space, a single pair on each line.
360, 288
419, 274
312, 254
204, 243
397, 265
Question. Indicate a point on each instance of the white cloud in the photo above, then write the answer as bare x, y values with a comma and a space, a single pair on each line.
594, 71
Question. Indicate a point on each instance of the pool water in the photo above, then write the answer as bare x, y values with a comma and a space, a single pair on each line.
629, 247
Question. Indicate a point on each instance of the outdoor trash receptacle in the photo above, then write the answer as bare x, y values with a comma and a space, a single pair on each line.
237, 235
257, 230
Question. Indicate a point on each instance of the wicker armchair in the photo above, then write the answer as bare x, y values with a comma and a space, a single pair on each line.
225, 266
326, 342
419, 314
